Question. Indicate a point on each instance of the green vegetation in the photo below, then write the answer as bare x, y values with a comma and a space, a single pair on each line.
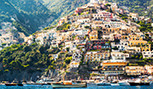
21, 57
65, 26
124, 16
63, 7
68, 60
145, 27
47, 28
28, 15
138, 6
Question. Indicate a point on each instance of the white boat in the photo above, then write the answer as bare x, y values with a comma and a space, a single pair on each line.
103, 83
138, 82
123, 83
114, 84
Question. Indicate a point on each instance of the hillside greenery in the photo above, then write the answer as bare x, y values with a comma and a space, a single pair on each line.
29, 15
23, 57
63, 7
143, 7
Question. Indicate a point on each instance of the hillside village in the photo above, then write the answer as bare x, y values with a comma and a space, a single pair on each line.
100, 39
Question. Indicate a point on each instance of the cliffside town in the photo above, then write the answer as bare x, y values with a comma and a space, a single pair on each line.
99, 39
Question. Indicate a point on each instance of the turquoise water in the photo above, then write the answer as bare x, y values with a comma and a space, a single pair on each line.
89, 87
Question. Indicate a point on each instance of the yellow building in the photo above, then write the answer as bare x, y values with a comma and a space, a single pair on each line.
112, 30
93, 35
134, 70
124, 37
135, 37
140, 43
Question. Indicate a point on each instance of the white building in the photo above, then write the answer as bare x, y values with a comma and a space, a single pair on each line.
94, 1
74, 64
119, 56
77, 55
147, 54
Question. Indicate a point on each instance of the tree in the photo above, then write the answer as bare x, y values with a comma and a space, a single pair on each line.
27, 48
67, 49
68, 60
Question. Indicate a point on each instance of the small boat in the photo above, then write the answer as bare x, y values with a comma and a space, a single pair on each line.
10, 84
103, 84
123, 83
69, 85
114, 83
20, 84
14, 83
138, 82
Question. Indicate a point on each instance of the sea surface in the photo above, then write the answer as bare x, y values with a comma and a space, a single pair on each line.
89, 87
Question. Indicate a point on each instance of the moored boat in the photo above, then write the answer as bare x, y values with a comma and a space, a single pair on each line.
123, 83
69, 85
20, 84
10, 84
114, 84
138, 82
103, 84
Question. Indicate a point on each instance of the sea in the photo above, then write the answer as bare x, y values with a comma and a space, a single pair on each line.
89, 87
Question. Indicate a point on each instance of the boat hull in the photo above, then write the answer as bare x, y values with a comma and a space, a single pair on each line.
10, 84
139, 84
124, 84
114, 84
103, 84
20, 84
69, 86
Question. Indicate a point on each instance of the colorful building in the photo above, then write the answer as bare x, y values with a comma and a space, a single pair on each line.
134, 70
93, 35
98, 45
97, 55
115, 69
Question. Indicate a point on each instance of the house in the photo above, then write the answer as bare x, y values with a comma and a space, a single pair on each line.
152, 24
103, 16
94, 1
113, 24
119, 56
114, 7
113, 69
140, 43
74, 64
149, 69
98, 45
78, 10
75, 18
77, 55
93, 35
134, 70
135, 37
97, 55
147, 54
134, 16
133, 49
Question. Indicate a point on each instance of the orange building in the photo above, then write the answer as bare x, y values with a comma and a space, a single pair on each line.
113, 68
